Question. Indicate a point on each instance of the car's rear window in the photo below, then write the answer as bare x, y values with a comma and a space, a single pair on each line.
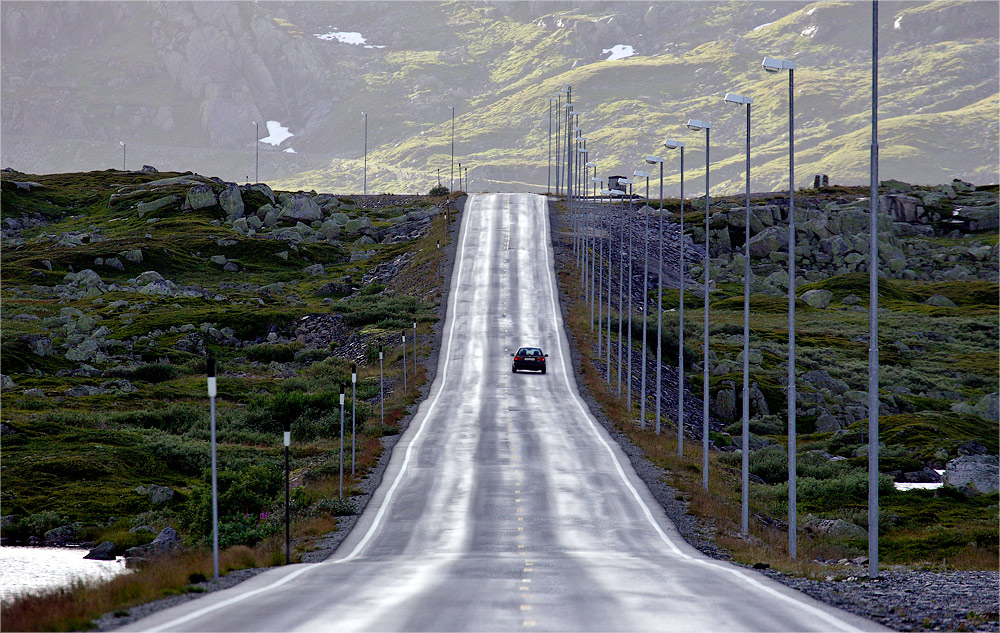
529, 351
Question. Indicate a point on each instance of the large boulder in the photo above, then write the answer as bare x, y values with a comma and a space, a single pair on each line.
771, 239
199, 197
104, 551
231, 202
902, 208
271, 215
987, 408
939, 300
330, 229
144, 208
835, 528
827, 423
165, 542
157, 494
817, 298
972, 474
820, 379
302, 207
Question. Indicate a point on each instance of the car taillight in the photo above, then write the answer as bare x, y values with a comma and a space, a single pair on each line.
541, 360
518, 358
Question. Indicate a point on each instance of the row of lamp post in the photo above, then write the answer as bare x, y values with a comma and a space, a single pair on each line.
595, 296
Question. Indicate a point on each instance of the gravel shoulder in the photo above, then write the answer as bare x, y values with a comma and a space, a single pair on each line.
903, 600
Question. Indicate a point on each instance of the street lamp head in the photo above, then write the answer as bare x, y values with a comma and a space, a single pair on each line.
732, 97
121, 142
565, 88
640, 174
606, 192
596, 179
624, 181
654, 160
364, 114
696, 125
569, 107
580, 150
591, 165
670, 144
452, 108
773, 64
577, 129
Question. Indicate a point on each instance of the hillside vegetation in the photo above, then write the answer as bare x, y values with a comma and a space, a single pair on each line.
118, 286
497, 63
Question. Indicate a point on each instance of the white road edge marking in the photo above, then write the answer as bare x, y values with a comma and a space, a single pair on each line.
823, 615
388, 497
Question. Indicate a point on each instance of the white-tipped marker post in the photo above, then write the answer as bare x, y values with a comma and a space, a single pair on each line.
215, 485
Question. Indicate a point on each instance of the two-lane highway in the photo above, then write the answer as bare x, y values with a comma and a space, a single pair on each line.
505, 505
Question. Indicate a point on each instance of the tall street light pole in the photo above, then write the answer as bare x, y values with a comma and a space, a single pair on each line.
558, 139
568, 89
611, 217
696, 125
256, 147
621, 285
773, 65
656, 160
365, 114
680, 337
593, 246
745, 524
628, 281
578, 160
548, 179
645, 279
873, 319
452, 185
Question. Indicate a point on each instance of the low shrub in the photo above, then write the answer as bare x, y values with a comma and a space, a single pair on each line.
175, 418
273, 352
335, 507
770, 464
245, 495
147, 372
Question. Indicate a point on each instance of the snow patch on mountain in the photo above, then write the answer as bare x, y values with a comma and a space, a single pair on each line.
618, 51
277, 133
346, 37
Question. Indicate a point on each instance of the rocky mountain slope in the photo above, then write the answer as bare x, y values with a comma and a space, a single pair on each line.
181, 83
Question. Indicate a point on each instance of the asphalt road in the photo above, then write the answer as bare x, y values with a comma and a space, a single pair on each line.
505, 506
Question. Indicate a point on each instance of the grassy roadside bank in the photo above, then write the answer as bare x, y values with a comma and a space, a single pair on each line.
921, 529
85, 439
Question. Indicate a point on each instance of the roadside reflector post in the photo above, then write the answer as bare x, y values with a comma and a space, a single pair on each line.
288, 519
403, 334
414, 350
341, 441
381, 383
210, 370
354, 409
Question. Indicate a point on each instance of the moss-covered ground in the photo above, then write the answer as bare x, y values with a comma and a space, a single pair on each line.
81, 459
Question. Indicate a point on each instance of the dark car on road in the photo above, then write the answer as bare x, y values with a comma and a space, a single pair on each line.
529, 358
